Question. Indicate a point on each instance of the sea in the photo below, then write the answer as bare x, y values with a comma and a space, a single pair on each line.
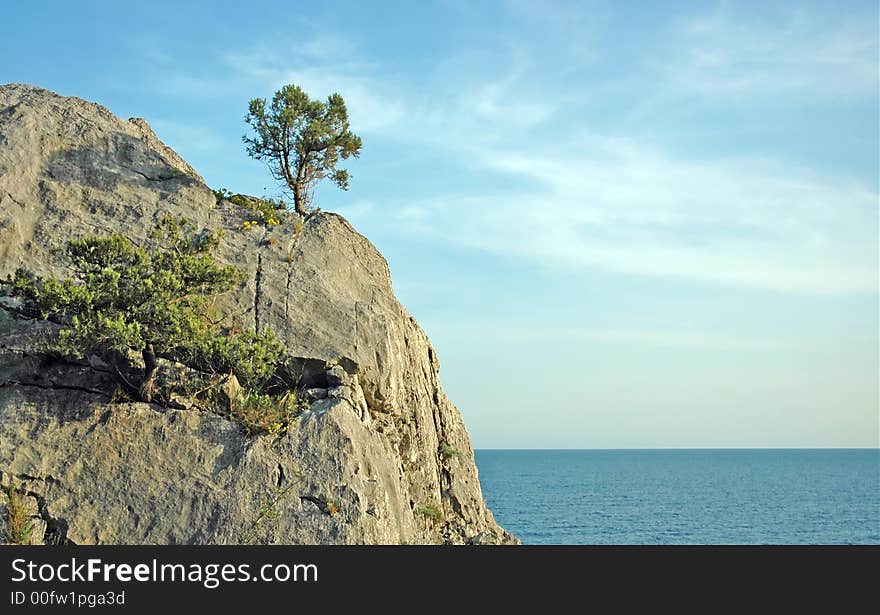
665, 497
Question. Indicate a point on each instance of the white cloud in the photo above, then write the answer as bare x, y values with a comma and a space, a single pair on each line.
503, 100
521, 333
321, 67
830, 55
613, 203
624, 208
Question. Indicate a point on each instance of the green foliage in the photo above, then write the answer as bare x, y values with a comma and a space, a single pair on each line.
267, 211
301, 140
156, 301
431, 513
222, 194
447, 451
268, 513
123, 296
252, 357
19, 524
265, 413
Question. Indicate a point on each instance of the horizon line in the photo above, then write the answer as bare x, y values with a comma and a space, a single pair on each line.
692, 448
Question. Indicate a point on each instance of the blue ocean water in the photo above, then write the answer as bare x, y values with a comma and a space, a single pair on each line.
685, 496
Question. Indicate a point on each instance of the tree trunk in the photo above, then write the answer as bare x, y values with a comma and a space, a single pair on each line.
299, 201
150, 370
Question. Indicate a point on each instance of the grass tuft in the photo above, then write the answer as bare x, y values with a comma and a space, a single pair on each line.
19, 524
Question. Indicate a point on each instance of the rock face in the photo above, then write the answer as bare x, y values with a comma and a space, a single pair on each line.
363, 465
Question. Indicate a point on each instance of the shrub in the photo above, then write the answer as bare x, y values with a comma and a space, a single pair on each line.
154, 301
268, 513
431, 513
447, 451
265, 413
252, 357
222, 194
268, 211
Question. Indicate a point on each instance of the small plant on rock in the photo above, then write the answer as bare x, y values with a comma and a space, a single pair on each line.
268, 513
266, 210
222, 194
432, 513
123, 297
447, 451
265, 413
19, 524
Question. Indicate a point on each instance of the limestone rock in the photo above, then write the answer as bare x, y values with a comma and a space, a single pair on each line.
337, 377
231, 389
316, 393
357, 467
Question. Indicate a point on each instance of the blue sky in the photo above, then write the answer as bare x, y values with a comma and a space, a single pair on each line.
621, 224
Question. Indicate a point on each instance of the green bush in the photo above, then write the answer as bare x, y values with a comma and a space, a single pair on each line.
222, 194
260, 210
252, 357
268, 210
265, 413
447, 451
431, 512
154, 301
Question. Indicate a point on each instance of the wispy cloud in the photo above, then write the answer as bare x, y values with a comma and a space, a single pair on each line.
612, 202
501, 100
321, 66
469, 111
527, 333
826, 54
618, 206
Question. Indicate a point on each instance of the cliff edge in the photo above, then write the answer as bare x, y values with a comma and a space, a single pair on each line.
380, 457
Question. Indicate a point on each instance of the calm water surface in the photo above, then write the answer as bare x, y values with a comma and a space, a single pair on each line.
685, 496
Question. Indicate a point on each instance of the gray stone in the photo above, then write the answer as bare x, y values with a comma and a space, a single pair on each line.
231, 389
316, 393
112, 471
337, 377
342, 392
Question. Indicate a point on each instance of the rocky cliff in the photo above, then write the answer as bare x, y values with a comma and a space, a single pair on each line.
364, 464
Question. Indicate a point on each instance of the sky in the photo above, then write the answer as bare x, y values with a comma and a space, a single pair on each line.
622, 224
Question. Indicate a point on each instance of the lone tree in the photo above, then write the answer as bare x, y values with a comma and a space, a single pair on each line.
301, 140
125, 297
